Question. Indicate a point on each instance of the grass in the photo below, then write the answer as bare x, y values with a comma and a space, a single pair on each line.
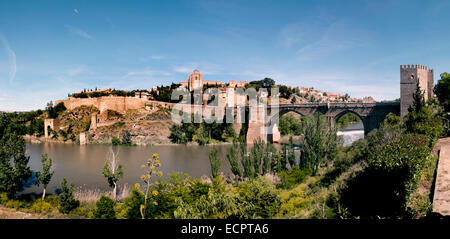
92, 195
30, 207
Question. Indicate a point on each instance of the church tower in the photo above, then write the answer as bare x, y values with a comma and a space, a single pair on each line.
409, 76
195, 80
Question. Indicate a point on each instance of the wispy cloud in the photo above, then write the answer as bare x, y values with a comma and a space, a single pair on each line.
205, 68
153, 57
77, 31
318, 39
76, 70
338, 37
11, 58
145, 73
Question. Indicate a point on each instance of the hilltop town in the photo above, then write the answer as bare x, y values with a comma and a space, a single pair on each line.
102, 115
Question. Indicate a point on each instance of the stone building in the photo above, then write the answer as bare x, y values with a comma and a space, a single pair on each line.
196, 82
409, 76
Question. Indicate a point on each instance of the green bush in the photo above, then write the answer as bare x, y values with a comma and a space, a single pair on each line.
16, 204
258, 198
67, 201
133, 204
293, 177
115, 141
212, 202
87, 125
104, 208
385, 185
126, 137
41, 207
3, 198
290, 125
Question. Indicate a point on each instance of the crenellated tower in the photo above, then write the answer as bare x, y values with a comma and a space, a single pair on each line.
409, 76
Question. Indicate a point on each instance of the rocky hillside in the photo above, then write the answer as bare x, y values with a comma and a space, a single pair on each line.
146, 126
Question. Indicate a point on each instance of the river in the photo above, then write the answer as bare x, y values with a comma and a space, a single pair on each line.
82, 165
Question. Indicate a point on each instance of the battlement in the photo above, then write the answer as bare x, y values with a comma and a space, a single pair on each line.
410, 76
415, 67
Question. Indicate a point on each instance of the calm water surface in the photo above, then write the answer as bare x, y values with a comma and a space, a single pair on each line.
82, 165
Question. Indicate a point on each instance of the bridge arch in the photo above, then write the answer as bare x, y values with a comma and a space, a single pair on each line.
371, 114
347, 111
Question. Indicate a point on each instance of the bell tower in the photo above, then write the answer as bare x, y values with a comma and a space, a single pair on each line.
195, 80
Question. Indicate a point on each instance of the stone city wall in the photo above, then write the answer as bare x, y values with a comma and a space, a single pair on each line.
117, 103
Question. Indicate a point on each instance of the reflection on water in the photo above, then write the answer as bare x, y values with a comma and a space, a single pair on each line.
82, 165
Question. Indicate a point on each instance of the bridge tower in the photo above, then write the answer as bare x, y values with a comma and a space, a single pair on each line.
409, 76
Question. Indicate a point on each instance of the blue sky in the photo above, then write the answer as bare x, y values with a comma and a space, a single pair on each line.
51, 48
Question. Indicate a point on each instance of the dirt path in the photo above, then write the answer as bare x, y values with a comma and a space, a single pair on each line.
10, 213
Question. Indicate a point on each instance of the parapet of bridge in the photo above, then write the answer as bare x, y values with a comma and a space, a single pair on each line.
409, 76
441, 196
371, 114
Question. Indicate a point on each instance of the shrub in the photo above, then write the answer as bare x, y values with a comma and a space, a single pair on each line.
67, 201
258, 199
40, 207
87, 125
215, 203
133, 204
115, 141
104, 208
3, 198
294, 201
126, 137
293, 177
16, 204
385, 185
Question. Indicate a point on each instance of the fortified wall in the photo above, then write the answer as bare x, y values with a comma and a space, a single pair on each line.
117, 103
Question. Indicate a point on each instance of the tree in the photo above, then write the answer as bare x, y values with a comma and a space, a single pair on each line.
420, 119
67, 201
126, 137
291, 152
177, 135
442, 91
14, 170
285, 92
104, 208
201, 136
112, 170
318, 144
264, 83
215, 162
44, 176
233, 158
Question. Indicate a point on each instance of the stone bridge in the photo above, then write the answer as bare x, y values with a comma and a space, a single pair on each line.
371, 115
